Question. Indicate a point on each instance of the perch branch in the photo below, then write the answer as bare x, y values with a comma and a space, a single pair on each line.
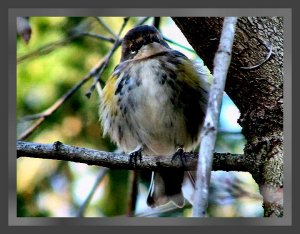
60, 151
210, 126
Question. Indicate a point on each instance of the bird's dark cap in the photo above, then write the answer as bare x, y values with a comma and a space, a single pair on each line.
137, 37
140, 31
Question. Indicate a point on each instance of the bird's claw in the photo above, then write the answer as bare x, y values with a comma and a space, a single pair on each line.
134, 156
181, 155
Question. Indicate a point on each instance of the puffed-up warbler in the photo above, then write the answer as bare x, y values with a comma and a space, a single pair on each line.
154, 103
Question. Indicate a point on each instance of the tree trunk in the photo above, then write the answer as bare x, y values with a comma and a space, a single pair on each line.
255, 84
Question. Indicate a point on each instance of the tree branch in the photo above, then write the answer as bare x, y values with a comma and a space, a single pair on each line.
97, 182
49, 111
45, 49
95, 72
258, 93
117, 43
97, 36
107, 28
60, 151
178, 44
133, 194
210, 126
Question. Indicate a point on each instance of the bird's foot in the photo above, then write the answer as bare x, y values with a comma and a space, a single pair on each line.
135, 155
181, 155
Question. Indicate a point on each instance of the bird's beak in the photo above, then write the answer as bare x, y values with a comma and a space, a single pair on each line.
150, 50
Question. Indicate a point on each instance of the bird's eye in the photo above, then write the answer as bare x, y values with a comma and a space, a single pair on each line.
133, 49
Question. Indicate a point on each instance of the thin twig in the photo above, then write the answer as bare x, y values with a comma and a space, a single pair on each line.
46, 48
142, 21
106, 27
97, 36
156, 22
60, 151
96, 71
107, 58
31, 129
105, 64
134, 193
99, 89
97, 182
270, 48
42, 116
209, 130
192, 179
49, 111
179, 45
125, 21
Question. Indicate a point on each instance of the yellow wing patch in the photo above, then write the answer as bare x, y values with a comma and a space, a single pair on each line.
109, 90
189, 73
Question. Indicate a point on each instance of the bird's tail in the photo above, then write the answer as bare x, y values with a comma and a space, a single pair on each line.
166, 186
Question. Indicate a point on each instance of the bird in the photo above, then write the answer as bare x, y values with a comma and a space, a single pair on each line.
154, 103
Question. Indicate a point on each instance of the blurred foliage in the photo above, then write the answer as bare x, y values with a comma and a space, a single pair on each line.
58, 189
117, 193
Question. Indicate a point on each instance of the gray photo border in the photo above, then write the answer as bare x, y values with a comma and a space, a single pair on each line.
13, 220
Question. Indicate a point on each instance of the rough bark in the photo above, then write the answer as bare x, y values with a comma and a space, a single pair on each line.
255, 84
